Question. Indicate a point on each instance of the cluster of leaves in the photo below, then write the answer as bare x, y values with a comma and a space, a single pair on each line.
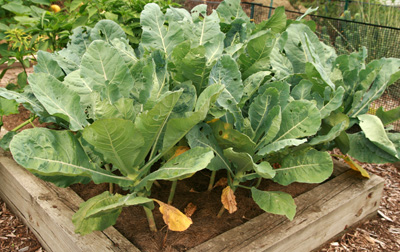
201, 91
29, 25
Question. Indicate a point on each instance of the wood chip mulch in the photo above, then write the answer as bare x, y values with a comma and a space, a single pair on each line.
14, 235
381, 233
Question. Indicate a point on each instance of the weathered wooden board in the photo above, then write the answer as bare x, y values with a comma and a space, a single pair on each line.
48, 210
321, 214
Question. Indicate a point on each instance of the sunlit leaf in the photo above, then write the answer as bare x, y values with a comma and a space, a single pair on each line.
175, 219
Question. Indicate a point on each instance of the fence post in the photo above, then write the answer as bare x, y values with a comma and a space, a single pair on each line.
252, 11
270, 9
346, 5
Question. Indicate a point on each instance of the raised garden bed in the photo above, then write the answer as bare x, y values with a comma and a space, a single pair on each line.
322, 213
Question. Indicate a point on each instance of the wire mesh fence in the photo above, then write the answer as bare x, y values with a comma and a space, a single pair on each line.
345, 36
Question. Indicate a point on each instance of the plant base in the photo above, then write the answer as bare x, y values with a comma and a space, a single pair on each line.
322, 213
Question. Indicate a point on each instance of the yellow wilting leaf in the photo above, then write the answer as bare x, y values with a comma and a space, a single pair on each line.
180, 150
213, 120
353, 165
175, 219
228, 199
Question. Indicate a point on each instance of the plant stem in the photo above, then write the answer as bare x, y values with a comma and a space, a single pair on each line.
110, 185
258, 182
172, 192
150, 219
221, 212
30, 120
212, 180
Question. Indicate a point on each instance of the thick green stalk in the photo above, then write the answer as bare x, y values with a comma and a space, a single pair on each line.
212, 180
258, 182
172, 192
110, 185
30, 120
150, 219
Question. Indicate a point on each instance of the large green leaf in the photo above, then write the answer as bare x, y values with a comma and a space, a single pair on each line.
334, 103
273, 124
53, 153
333, 133
389, 72
107, 30
228, 137
251, 85
365, 151
74, 82
47, 64
58, 99
126, 51
279, 145
104, 70
116, 203
226, 72
299, 119
257, 54
191, 64
303, 46
85, 225
150, 124
277, 22
305, 166
302, 91
181, 166
390, 116
27, 99
124, 108
275, 202
259, 110
178, 127
202, 135
155, 34
205, 27
8, 107
375, 132
230, 10
16, 8
244, 163
117, 141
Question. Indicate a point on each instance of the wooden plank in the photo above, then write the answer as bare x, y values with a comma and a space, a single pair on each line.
48, 210
322, 213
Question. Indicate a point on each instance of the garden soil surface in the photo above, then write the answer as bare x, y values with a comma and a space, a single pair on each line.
381, 233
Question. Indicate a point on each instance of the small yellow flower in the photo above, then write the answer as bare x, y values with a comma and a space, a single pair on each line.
55, 8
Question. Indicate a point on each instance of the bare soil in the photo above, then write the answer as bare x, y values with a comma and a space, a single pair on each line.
133, 223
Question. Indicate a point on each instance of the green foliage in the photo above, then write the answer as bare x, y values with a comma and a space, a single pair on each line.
258, 103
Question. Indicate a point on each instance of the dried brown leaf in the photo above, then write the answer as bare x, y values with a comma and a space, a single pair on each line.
190, 209
228, 199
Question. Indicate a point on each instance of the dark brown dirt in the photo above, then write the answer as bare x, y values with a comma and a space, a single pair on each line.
132, 223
